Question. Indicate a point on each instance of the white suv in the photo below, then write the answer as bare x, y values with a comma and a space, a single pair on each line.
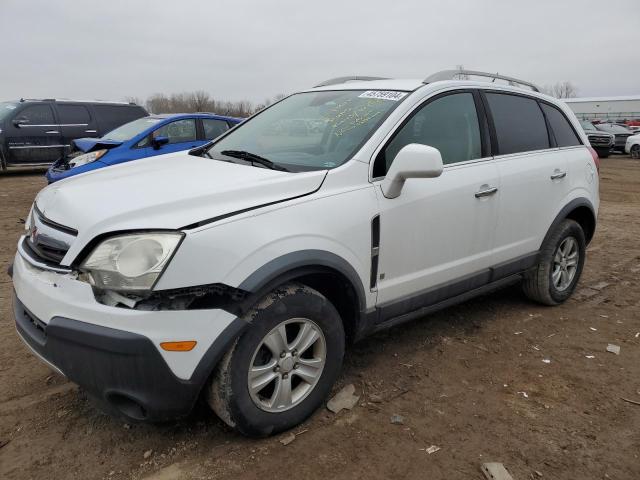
239, 270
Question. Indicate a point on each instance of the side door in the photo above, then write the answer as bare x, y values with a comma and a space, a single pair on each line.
436, 238
33, 136
75, 122
533, 176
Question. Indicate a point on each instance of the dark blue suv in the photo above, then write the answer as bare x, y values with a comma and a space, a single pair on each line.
142, 138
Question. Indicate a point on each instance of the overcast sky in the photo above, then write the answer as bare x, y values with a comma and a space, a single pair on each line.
255, 49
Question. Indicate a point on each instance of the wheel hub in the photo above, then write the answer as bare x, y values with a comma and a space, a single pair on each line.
287, 365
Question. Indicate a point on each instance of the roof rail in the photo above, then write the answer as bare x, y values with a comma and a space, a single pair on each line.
72, 100
452, 74
338, 80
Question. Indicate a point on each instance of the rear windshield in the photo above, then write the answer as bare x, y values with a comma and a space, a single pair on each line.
311, 130
131, 129
6, 109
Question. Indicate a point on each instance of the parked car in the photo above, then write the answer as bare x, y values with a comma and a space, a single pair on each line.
621, 134
142, 138
602, 142
632, 147
37, 132
241, 269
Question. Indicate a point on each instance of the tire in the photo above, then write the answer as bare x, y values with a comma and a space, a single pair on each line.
635, 151
260, 412
540, 283
602, 153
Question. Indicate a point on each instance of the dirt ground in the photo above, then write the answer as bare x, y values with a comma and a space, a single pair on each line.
472, 380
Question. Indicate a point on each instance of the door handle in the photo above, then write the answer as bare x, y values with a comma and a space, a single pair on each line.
90, 131
486, 192
557, 175
53, 132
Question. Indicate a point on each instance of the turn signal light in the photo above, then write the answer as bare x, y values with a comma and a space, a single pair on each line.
185, 346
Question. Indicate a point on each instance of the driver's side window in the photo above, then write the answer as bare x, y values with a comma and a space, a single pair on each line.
449, 123
177, 132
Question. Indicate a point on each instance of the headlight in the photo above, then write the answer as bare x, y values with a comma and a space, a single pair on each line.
131, 262
86, 158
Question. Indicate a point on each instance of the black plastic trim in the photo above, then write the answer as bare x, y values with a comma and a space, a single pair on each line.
566, 210
52, 224
283, 268
463, 297
121, 369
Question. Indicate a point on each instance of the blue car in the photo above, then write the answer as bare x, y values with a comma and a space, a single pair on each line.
142, 138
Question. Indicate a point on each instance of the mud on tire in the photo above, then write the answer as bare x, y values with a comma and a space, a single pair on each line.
541, 281
229, 392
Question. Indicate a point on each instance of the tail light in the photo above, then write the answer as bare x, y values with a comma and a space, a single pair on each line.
596, 158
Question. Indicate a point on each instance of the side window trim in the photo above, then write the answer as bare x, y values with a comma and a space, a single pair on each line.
414, 111
494, 135
549, 104
553, 143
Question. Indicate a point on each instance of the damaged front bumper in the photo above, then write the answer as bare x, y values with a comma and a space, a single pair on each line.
115, 353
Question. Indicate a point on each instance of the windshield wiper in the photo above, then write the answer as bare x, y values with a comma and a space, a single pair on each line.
253, 158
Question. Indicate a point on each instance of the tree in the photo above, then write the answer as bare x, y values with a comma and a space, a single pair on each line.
564, 89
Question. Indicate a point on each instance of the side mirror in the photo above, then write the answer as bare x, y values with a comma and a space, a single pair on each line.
157, 142
20, 121
412, 161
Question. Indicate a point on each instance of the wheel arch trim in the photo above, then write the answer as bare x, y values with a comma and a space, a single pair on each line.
564, 213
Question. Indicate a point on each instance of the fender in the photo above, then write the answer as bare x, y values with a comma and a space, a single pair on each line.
292, 264
267, 277
566, 210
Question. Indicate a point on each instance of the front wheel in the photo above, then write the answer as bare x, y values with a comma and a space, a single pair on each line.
283, 367
554, 278
635, 151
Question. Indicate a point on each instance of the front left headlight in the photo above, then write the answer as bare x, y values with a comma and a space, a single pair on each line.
131, 262
86, 158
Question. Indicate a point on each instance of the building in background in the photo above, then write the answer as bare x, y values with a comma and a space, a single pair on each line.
606, 108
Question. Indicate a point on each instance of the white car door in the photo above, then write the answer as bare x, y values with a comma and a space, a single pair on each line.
436, 237
533, 175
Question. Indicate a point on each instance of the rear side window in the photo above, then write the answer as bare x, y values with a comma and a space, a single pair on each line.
73, 114
520, 125
213, 128
449, 123
560, 127
37, 115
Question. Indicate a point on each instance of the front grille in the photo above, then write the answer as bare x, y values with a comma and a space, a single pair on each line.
48, 241
599, 140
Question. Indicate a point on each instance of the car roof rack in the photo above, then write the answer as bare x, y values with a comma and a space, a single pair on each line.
72, 100
452, 74
353, 78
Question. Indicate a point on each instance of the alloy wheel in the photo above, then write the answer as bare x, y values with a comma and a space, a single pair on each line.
287, 365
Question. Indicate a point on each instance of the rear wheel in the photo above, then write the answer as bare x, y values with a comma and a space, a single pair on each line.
283, 367
635, 151
554, 278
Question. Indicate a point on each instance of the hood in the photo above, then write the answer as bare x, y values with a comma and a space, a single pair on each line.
166, 192
90, 144
600, 133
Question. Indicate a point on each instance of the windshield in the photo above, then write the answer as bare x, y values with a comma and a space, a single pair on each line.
313, 130
131, 129
6, 109
587, 125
